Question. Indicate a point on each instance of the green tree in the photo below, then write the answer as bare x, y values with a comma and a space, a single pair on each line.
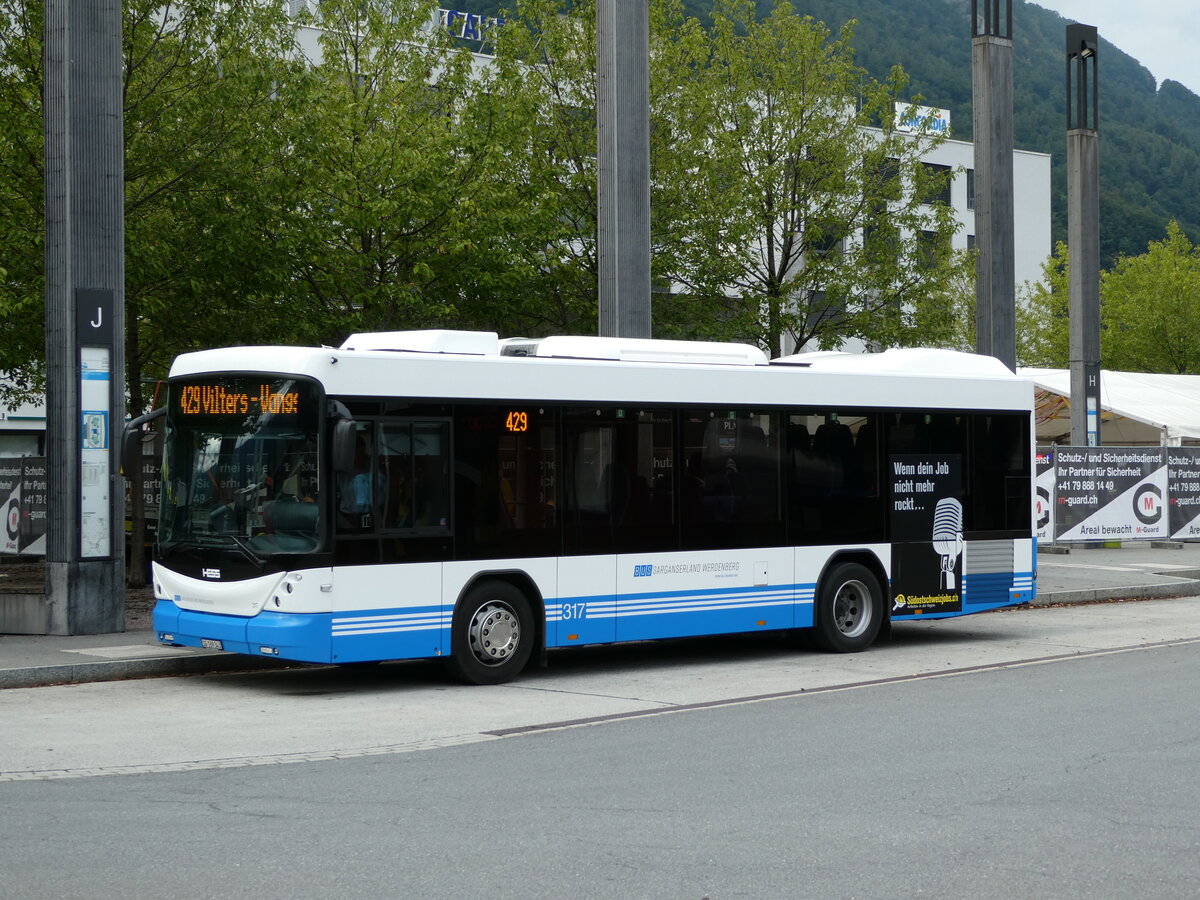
387, 208
198, 86
1150, 308
805, 221
1043, 328
547, 65
21, 201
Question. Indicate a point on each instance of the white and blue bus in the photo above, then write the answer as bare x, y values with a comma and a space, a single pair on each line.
450, 494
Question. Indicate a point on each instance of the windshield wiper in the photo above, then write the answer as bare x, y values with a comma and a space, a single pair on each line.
242, 544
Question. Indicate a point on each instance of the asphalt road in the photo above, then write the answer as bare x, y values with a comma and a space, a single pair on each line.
1030, 753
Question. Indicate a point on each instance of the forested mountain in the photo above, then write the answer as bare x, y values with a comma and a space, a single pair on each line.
1149, 139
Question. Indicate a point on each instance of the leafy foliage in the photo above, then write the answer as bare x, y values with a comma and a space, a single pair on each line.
805, 222
1150, 308
1150, 137
1043, 336
21, 199
197, 88
385, 208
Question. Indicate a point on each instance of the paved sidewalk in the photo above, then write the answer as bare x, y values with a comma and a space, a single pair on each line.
1075, 574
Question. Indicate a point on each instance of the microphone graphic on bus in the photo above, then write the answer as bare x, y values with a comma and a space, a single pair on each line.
947, 536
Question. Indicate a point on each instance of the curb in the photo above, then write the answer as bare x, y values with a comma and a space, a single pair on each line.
120, 670
1186, 587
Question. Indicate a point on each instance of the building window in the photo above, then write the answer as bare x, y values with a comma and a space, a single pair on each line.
932, 247
970, 188
935, 184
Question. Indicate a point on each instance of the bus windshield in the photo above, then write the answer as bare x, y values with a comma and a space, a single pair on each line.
240, 468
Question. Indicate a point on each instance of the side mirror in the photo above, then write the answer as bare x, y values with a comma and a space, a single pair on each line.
345, 441
131, 439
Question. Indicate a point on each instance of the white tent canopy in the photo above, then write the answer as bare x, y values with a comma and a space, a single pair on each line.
1138, 408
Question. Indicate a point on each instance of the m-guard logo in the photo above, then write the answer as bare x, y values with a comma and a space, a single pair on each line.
1042, 507
1147, 504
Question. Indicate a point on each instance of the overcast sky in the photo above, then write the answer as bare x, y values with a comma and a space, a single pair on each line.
1163, 35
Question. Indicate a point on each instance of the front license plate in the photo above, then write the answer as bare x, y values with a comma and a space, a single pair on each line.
210, 644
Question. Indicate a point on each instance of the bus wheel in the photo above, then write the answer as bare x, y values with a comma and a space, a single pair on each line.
492, 636
849, 609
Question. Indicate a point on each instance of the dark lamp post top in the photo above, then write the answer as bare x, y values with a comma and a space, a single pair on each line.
1082, 41
1083, 102
993, 20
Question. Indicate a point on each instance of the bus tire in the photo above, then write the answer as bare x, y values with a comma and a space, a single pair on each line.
492, 637
849, 610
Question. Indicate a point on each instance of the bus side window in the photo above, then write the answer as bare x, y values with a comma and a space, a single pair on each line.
730, 489
505, 482
833, 489
429, 500
413, 479
355, 496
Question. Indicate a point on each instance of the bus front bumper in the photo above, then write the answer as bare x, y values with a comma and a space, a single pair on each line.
304, 637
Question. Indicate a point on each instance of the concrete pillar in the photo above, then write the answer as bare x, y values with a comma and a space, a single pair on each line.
995, 264
85, 273
623, 166
1083, 233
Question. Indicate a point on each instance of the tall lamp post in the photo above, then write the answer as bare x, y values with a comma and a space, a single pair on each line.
1083, 232
623, 167
995, 264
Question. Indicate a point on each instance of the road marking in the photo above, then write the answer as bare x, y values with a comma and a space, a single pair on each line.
1058, 565
1130, 567
827, 689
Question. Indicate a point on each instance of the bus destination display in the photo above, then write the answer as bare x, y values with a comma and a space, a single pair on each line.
215, 400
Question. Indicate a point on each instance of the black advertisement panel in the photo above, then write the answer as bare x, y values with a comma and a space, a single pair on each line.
1111, 493
1183, 489
1043, 503
926, 527
10, 503
34, 500
23, 499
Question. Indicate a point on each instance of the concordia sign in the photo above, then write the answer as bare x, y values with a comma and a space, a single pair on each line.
468, 26
922, 120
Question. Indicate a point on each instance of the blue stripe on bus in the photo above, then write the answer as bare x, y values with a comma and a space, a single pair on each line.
657, 614
391, 633
599, 606
997, 588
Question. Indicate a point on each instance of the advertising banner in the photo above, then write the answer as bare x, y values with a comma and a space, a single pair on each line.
1043, 500
1183, 491
34, 499
10, 503
927, 522
1111, 493
23, 498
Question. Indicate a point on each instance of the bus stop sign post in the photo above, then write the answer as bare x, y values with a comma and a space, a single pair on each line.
93, 329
